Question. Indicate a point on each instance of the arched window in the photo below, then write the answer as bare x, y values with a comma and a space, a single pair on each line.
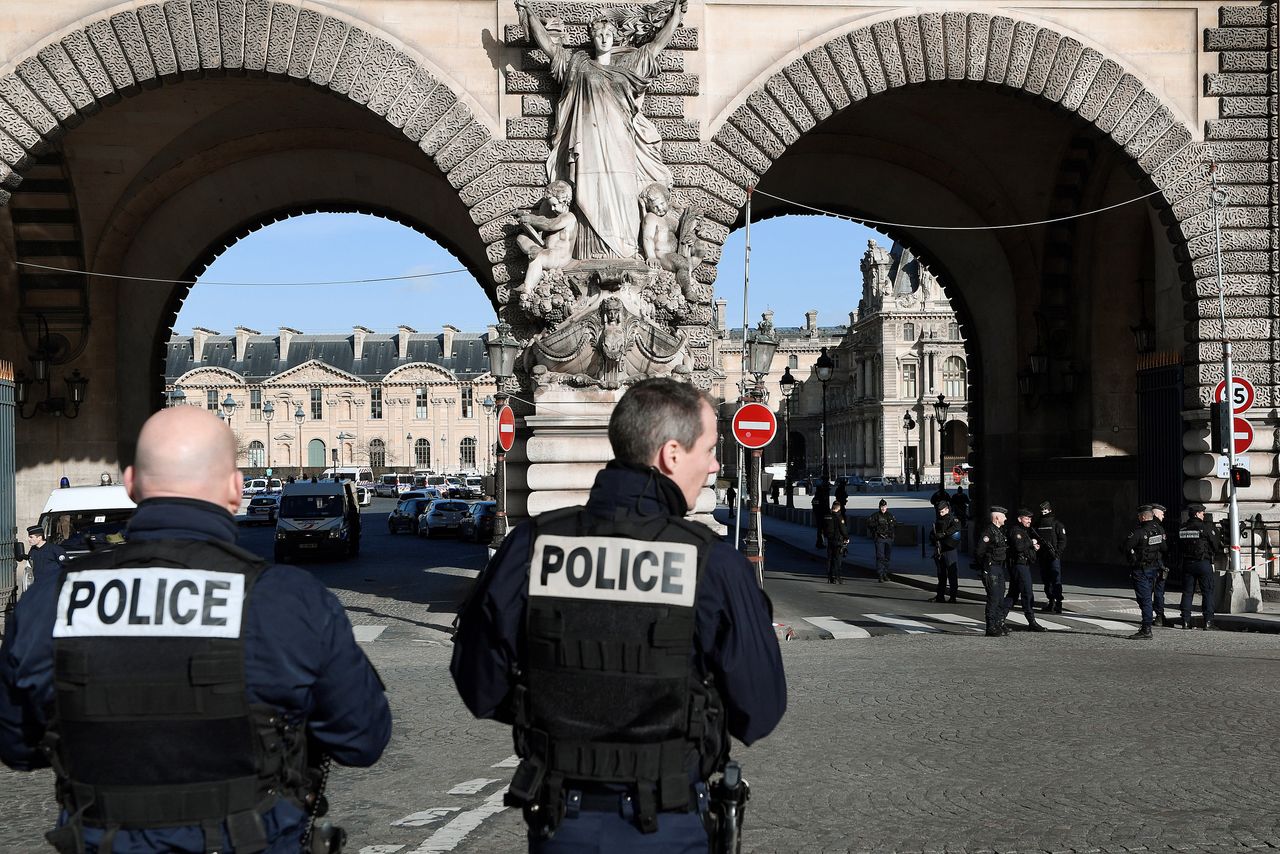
377, 454
953, 331
953, 378
422, 454
908, 332
467, 454
257, 455
793, 361
315, 453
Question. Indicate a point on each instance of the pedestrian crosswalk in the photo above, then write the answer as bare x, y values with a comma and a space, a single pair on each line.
871, 625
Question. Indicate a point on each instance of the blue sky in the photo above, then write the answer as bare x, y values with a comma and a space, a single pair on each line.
797, 263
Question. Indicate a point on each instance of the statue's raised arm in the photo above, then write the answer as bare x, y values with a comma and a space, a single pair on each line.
664, 35
534, 26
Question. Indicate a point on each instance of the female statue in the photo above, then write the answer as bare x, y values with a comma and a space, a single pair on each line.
604, 145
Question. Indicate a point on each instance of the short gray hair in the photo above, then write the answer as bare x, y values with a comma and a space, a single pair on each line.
652, 413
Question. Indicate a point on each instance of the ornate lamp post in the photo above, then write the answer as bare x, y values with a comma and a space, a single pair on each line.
268, 412
177, 397
503, 350
908, 424
760, 351
298, 417
229, 407
343, 436
787, 385
940, 407
488, 405
824, 367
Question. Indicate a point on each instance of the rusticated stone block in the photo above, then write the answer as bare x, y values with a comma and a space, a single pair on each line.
500, 177
1042, 57
284, 19
787, 98
204, 19
934, 45
715, 208
1234, 305
13, 153
439, 102
450, 125
528, 128
1082, 77
705, 273
231, 28
824, 71
537, 105
535, 59
411, 97
89, 67
504, 251
531, 82
1021, 54
841, 53
257, 23
1235, 84
1233, 240
714, 232
1148, 132
1235, 38
103, 38
465, 142
675, 84
664, 106
684, 152
1109, 79
737, 144
1063, 67
678, 130
955, 31
1243, 106
504, 273
155, 30
504, 202
393, 84
1170, 143
1246, 173
1119, 106
885, 37
22, 99
1240, 329
333, 35
379, 58
1248, 150
708, 179
1232, 262
354, 54
755, 130
16, 127
498, 230
306, 35
1245, 284
864, 49
773, 115
802, 79
1234, 129
494, 152
1190, 158
8, 178
129, 33
1243, 16
730, 166
1248, 60
999, 49
55, 59
41, 83
977, 42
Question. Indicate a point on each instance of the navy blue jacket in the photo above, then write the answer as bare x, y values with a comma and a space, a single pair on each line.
300, 656
734, 638
46, 560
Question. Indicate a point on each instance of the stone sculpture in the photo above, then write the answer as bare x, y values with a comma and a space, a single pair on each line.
876, 262
669, 238
548, 239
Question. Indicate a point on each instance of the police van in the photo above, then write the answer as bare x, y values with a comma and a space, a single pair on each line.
318, 519
86, 518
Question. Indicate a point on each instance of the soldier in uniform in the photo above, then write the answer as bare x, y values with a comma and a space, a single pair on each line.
990, 553
881, 527
1145, 548
1023, 548
945, 537
1157, 590
1053, 542
184, 691
1200, 544
624, 644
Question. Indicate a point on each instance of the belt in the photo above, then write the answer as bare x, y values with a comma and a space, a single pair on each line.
621, 803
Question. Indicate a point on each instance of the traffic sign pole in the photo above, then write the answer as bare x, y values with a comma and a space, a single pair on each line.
754, 426
1217, 197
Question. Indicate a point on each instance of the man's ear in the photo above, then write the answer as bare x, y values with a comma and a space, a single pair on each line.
130, 483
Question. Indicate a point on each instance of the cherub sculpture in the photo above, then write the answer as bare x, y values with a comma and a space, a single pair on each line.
548, 240
669, 237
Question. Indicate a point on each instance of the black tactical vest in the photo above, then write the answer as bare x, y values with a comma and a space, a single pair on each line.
152, 726
1150, 544
610, 694
1193, 538
1023, 545
994, 546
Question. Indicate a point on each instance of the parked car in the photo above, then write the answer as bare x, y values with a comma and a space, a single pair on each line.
443, 515
477, 525
405, 516
875, 483
263, 508
255, 487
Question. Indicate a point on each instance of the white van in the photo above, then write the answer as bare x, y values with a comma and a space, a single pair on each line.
85, 518
391, 485
317, 518
355, 474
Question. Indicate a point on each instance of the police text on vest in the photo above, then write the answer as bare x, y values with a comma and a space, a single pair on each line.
155, 601
614, 569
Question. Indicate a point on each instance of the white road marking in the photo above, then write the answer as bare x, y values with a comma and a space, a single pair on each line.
510, 762
454, 570
1021, 620
958, 620
380, 849
911, 627
472, 787
448, 837
426, 817
839, 628
1110, 625
367, 634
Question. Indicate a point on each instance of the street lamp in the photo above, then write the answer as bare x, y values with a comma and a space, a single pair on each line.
908, 424
298, 417
488, 405
229, 407
824, 367
268, 412
940, 407
177, 397
344, 436
761, 348
502, 350
787, 385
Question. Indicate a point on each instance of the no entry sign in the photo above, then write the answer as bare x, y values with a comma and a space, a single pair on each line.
754, 426
506, 428
1242, 394
1241, 434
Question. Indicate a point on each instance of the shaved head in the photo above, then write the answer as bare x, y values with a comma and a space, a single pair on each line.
185, 452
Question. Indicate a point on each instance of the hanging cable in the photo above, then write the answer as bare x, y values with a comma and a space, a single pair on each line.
865, 221
241, 284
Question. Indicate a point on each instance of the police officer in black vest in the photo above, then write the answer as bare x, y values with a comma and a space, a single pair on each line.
624, 644
1157, 590
1200, 544
185, 691
1053, 543
990, 554
881, 528
945, 537
1145, 548
1023, 548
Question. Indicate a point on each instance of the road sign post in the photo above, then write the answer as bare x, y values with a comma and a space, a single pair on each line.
754, 427
506, 440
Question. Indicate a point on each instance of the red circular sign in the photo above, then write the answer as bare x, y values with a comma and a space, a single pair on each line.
506, 428
1242, 394
754, 426
1241, 435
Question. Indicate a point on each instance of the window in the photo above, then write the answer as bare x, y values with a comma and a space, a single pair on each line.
255, 404
315, 454
420, 404
953, 378
211, 400
257, 455
467, 453
953, 331
375, 403
317, 404
908, 332
377, 454
909, 380
793, 361
468, 402
422, 454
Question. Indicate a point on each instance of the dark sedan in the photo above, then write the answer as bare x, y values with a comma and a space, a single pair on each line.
477, 525
405, 516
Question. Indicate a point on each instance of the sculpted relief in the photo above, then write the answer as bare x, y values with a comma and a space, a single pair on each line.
610, 257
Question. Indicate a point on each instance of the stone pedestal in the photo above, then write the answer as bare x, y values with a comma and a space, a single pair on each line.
1238, 593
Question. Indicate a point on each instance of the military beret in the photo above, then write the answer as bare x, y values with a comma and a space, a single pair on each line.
35, 529
884, 503
944, 505
1144, 508
1159, 507
1045, 507
1195, 508
1022, 511
996, 508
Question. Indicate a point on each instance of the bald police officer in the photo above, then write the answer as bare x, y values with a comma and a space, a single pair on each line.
1199, 544
624, 644
990, 555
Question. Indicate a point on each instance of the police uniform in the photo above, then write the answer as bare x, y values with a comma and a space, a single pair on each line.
837, 535
1145, 548
624, 644
1199, 544
881, 527
946, 541
174, 684
45, 560
1022, 556
990, 553
1053, 543
1157, 589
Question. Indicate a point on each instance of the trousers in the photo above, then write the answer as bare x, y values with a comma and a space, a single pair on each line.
1051, 575
835, 558
948, 580
884, 550
1157, 592
996, 581
1197, 572
1022, 590
591, 832
1144, 580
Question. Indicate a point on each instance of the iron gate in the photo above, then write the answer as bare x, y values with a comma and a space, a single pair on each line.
8, 494
1160, 430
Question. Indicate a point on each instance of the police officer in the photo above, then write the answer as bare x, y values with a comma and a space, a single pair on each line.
183, 690
881, 527
1200, 544
837, 535
960, 505
821, 502
990, 553
46, 558
1023, 550
1145, 548
946, 541
1157, 590
623, 643
1053, 542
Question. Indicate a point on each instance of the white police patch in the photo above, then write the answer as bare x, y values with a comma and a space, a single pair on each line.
150, 602
614, 569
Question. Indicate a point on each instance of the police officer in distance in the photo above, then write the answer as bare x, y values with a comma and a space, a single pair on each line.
227, 677
945, 537
990, 554
1157, 590
1053, 543
623, 643
45, 558
1023, 548
881, 527
1200, 544
837, 534
1145, 548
